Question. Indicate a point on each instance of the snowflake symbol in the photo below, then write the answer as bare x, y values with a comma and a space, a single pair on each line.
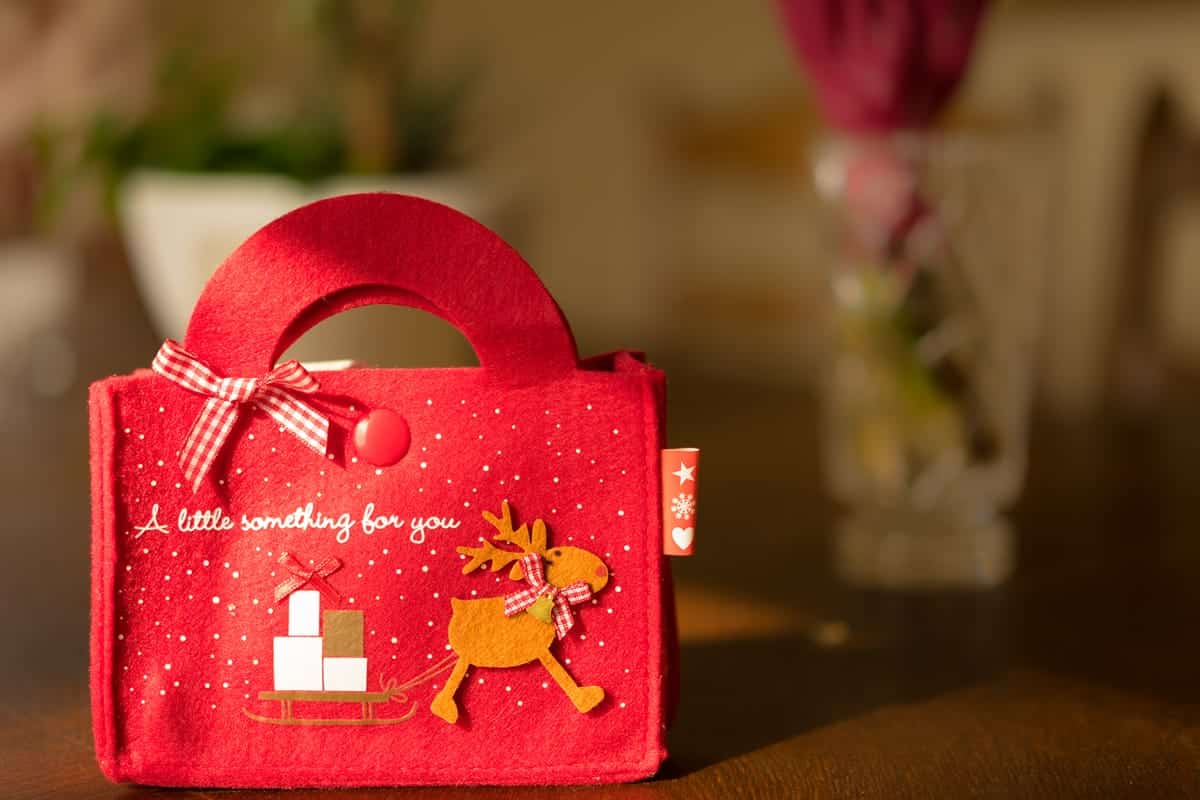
683, 506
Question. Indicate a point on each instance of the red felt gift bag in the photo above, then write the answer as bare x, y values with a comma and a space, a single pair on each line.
378, 576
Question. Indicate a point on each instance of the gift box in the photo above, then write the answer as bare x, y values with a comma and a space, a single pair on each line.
345, 674
486, 543
297, 663
304, 613
343, 634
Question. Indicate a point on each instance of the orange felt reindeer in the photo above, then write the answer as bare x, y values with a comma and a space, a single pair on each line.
508, 631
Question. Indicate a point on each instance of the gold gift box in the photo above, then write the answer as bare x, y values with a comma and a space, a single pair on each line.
343, 634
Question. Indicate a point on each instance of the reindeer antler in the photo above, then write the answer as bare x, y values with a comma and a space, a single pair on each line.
487, 552
521, 536
500, 557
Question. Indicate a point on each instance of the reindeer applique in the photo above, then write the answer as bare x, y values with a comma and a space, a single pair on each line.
519, 628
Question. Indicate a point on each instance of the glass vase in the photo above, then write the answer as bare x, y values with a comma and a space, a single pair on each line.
935, 293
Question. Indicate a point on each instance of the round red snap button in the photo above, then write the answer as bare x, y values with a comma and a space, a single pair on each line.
382, 437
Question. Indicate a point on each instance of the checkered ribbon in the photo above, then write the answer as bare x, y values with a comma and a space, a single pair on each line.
563, 597
275, 393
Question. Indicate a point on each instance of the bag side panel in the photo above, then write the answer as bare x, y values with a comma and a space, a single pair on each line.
104, 722
669, 624
656, 402
661, 628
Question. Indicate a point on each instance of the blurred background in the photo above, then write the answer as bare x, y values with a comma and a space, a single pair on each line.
644, 160
864, 317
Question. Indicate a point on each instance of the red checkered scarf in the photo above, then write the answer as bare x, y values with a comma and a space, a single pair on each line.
275, 393
563, 597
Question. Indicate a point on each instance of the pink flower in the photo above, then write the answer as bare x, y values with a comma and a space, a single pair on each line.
879, 65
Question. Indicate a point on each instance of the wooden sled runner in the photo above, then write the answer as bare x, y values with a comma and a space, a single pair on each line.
367, 699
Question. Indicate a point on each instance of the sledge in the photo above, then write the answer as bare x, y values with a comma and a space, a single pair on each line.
367, 699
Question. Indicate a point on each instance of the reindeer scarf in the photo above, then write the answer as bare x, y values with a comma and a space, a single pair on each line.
560, 599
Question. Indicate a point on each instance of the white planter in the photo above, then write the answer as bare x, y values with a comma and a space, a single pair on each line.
179, 227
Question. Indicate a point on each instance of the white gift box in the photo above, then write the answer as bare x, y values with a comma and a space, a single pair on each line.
304, 613
345, 674
298, 663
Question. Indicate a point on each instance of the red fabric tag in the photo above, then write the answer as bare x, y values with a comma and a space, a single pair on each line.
680, 500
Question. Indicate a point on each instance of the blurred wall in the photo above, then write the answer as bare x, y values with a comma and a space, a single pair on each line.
568, 125
568, 113
1102, 62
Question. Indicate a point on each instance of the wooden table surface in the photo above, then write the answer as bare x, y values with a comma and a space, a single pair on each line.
1079, 678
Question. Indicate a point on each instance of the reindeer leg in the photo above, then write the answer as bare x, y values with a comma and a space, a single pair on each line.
585, 698
443, 704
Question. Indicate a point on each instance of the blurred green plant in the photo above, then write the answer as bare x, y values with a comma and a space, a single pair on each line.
371, 115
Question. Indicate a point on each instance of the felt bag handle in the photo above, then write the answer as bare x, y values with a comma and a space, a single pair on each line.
377, 248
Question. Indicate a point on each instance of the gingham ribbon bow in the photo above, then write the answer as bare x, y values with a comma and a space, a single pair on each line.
314, 577
563, 597
276, 393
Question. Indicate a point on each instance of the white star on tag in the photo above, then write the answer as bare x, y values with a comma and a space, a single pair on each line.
685, 474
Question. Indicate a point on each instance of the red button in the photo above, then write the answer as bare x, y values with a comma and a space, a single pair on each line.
382, 437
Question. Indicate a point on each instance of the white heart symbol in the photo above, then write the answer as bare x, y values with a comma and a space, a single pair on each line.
683, 537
